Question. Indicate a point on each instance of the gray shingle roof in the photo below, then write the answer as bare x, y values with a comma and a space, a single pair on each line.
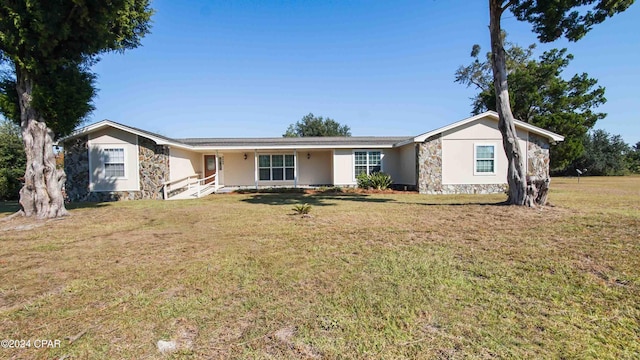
302, 141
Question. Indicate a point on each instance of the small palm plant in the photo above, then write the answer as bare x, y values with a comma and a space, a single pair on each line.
302, 209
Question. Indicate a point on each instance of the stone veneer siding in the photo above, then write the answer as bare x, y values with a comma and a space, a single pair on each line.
76, 166
537, 157
429, 173
474, 188
153, 167
429, 166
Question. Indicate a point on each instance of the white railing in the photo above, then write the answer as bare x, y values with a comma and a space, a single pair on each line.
190, 182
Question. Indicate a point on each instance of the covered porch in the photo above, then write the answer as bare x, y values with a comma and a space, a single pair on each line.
194, 174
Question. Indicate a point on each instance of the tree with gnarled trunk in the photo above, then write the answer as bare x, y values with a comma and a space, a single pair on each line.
49, 45
551, 20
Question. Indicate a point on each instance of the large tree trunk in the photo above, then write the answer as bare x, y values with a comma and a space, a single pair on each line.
516, 176
41, 195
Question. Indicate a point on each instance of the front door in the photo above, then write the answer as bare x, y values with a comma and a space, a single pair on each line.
209, 167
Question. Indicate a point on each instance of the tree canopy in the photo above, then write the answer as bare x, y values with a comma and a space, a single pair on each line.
48, 47
540, 95
53, 44
64, 97
311, 125
571, 19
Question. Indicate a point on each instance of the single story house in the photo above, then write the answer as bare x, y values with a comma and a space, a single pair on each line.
111, 161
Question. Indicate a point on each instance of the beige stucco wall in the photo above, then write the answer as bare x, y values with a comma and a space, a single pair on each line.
113, 138
458, 153
237, 170
391, 163
317, 169
405, 164
221, 167
343, 167
313, 171
184, 163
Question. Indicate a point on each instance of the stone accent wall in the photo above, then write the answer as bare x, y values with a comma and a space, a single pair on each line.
429, 173
429, 166
474, 188
154, 171
154, 168
537, 157
76, 166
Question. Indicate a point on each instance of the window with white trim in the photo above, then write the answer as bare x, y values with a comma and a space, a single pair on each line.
276, 167
484, 159
367, 162
113, 162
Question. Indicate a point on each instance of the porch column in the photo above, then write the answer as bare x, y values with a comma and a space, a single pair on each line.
255, 167
217, 172
295, 168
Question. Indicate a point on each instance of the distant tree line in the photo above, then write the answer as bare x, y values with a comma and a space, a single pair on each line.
605, 154
311, 125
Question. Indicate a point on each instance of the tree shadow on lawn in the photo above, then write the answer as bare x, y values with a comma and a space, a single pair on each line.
483, 203
11, 207
315, 199
86, 205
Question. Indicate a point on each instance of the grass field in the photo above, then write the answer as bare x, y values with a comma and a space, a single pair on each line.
364, 276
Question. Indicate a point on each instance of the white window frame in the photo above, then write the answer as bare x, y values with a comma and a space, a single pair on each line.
284, 167
368, 165
124, 162
475, 159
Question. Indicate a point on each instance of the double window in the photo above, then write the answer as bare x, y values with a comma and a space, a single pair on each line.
484, 159
276, 167
367, 162
113, 162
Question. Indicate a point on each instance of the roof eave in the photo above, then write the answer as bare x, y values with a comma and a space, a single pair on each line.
540, 131
493, 115
108, 123
250, 147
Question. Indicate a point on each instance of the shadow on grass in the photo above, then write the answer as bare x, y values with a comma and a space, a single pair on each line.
315, 199
498, 203
10, 207
86, 205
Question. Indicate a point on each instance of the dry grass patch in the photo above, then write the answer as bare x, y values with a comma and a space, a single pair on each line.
367, 276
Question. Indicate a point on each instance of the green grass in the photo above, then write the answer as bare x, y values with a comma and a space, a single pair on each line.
386, 276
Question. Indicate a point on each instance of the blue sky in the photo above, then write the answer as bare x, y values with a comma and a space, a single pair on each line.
251, 68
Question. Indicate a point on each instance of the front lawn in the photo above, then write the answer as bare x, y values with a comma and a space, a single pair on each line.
364, 276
